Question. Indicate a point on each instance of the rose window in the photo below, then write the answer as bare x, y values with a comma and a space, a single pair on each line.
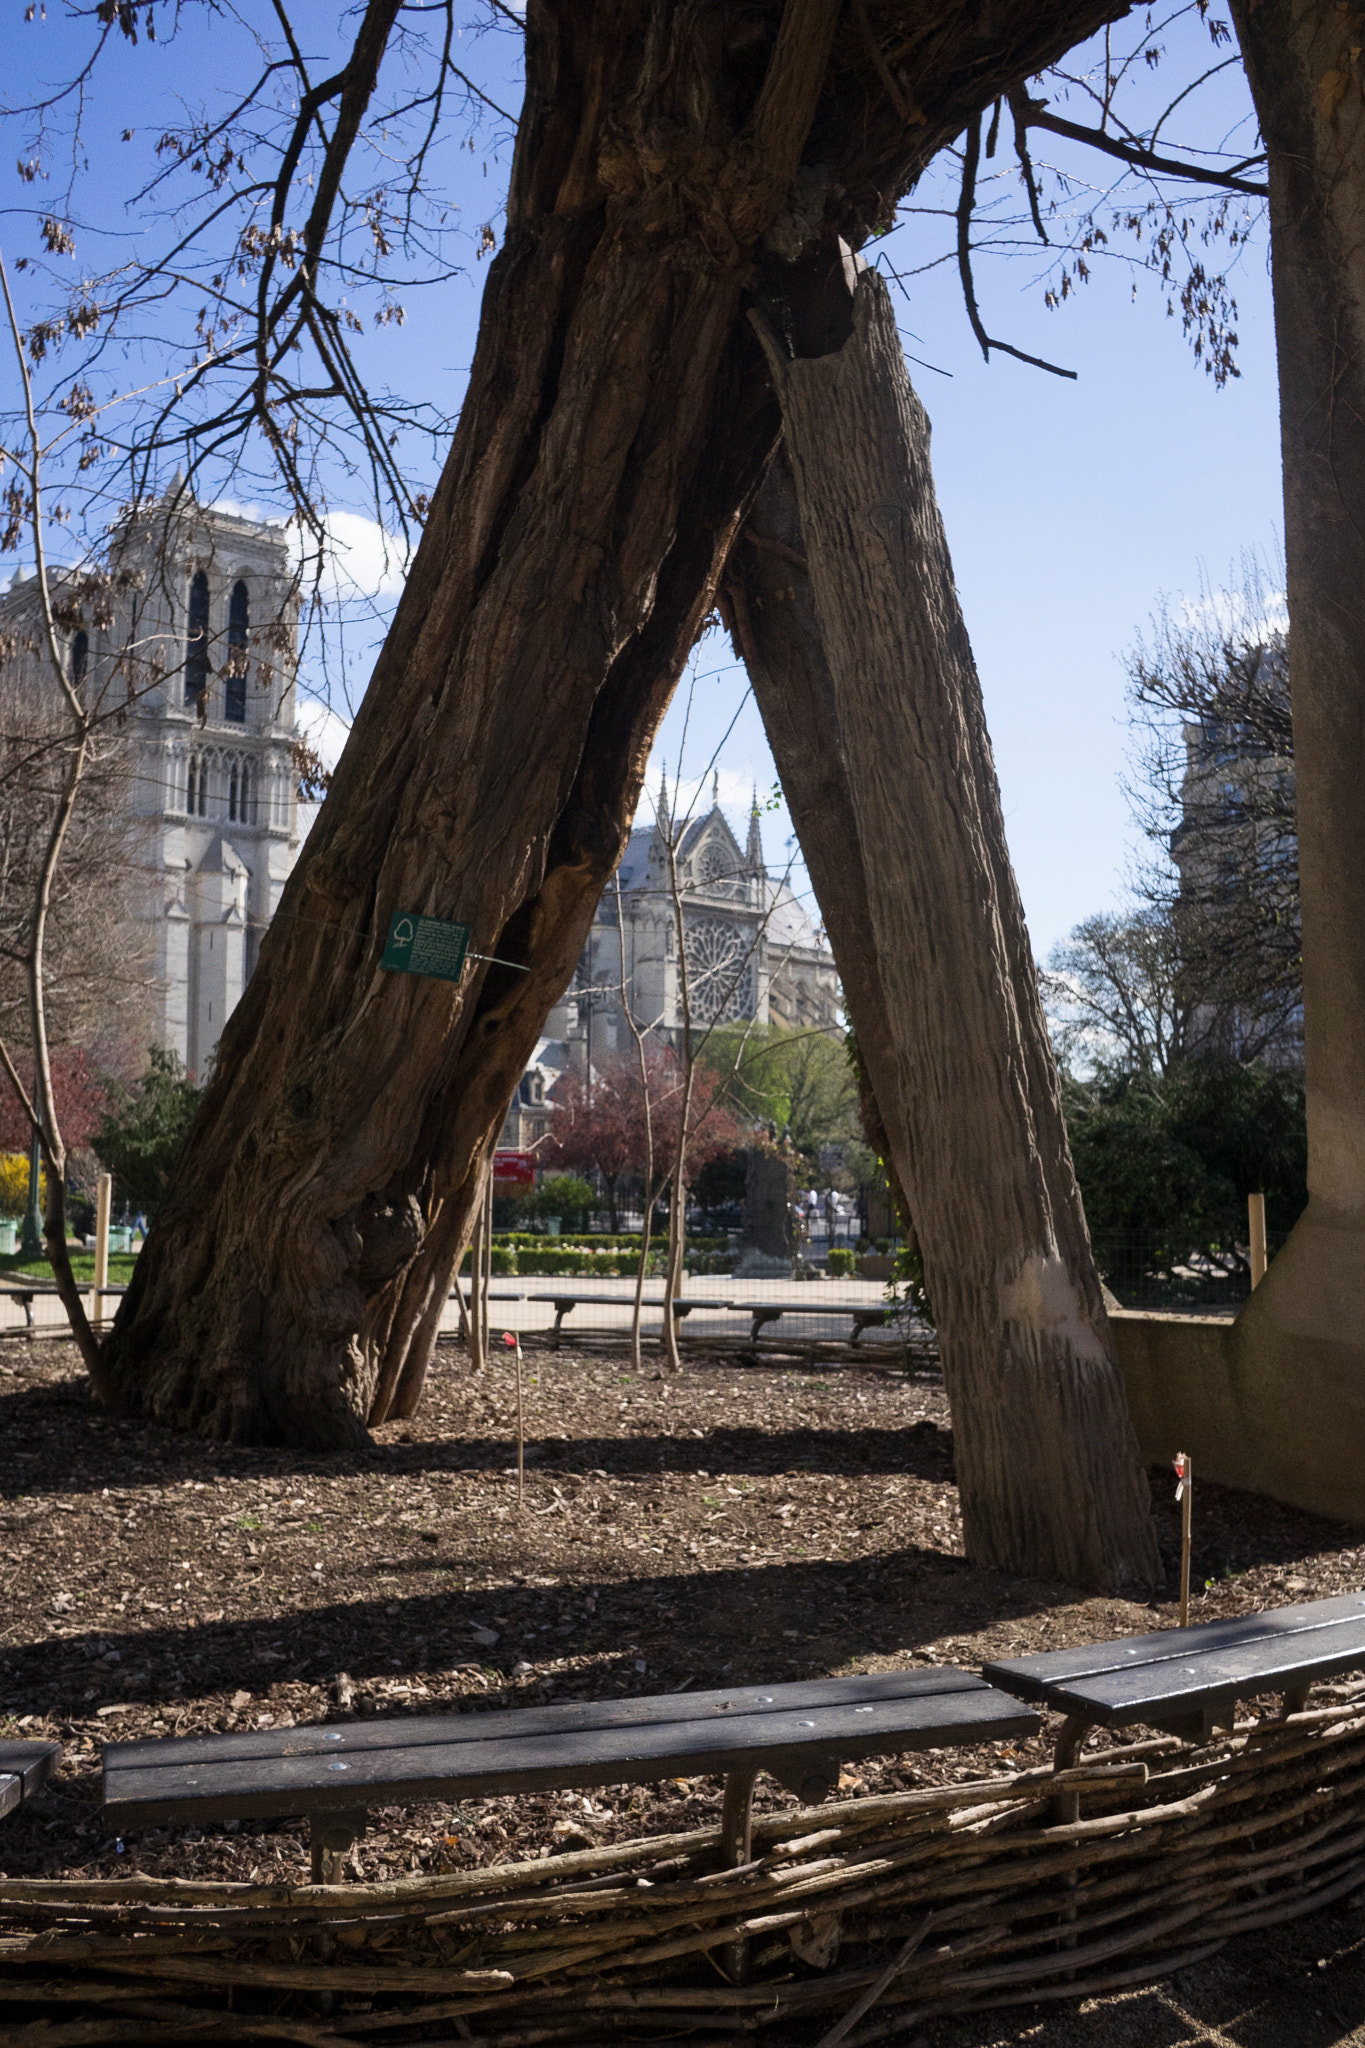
720, 970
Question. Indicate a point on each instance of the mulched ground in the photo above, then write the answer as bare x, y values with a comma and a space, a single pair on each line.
737, 1523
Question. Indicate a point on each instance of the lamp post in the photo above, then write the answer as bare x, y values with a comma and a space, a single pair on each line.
31, 1238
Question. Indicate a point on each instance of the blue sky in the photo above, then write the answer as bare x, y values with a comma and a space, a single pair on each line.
1071, 508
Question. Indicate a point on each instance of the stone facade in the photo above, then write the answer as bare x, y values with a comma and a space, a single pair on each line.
197, 647
1236, 852
752, 950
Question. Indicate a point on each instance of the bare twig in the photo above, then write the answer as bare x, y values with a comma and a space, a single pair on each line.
965, 208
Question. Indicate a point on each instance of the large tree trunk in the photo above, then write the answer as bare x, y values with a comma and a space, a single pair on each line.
863, 670
617, 421
1296, 1359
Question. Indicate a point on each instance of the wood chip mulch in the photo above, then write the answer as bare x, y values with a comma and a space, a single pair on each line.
736, 1523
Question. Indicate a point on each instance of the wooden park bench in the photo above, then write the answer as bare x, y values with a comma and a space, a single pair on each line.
29, 1290
1187, 1681
565, 1302
864, 1317
799, 1733
24, 1768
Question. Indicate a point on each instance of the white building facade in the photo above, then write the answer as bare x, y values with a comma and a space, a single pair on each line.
751, 948
193, 653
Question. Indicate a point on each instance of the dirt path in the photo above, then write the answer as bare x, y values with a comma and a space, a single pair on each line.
737, 1523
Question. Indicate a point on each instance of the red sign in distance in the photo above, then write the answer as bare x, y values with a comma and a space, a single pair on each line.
515, 1169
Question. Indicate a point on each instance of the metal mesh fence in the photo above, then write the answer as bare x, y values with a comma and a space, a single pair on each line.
720, 1313
1146, 1269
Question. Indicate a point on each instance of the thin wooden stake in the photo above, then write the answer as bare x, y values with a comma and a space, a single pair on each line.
1256, 1221
487, 1252
476, 1351
1184, 1493
509, 1338
104, 1193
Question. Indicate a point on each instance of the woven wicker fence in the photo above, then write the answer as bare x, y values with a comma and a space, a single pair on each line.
860, 1919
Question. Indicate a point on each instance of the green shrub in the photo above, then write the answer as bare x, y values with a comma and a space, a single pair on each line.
503, 1260
142, 1137
839, 1262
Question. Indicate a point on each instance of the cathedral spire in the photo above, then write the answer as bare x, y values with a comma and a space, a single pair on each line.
753, 852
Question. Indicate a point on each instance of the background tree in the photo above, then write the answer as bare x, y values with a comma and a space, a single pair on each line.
600, 1129
801, 1083
143, 1134
1213, 788
1117, 994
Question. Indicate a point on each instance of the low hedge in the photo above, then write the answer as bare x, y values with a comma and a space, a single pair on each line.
600, 1240
547, 1258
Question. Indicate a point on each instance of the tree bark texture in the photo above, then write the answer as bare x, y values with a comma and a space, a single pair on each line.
1297, 1354
864, 673
617, 422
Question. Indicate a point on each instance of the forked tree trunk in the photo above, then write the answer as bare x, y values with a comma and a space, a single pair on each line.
616, 423
493, 769
873, 706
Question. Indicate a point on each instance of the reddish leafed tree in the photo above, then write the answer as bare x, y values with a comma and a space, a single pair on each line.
606, 1129
599, 1128
79, 1098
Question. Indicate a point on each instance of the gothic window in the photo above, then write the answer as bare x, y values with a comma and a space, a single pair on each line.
720, 970
234, 688
197, 640
245, 811
191, 778
197, 787
80, 658
232, 792
716, 868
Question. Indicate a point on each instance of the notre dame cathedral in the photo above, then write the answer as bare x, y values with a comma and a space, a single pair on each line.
193, 647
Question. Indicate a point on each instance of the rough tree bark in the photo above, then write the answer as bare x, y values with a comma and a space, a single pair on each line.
1294, 1418
842, 600
617, 421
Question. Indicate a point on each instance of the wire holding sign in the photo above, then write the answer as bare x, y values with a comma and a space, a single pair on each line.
430, 946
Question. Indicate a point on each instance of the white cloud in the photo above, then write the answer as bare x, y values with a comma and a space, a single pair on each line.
1228, 611
694, 796
324, 729
361, 560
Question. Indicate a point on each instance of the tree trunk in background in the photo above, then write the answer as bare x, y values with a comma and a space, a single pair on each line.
617, 421
1296, 1361
886, 763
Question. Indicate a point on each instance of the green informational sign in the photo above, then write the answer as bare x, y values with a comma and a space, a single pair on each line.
426, 945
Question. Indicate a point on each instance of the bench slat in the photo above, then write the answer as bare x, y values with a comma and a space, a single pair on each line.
813, 1308
24, 1768
484, 1765
570, 1718
681, 1302
1212, 1663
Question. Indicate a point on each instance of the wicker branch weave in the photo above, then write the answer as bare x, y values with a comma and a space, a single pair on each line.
1175, 1851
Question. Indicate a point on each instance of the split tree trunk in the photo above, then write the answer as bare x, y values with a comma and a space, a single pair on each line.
616, 424
866, 681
